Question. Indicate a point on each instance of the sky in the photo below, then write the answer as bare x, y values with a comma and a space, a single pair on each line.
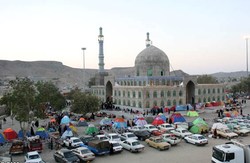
198, 36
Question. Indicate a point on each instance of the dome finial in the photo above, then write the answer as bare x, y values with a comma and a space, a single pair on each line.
148, 41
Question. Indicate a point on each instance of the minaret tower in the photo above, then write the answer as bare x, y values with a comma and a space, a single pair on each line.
101, 55
148, 41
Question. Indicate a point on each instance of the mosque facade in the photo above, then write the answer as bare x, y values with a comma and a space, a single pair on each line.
152, 84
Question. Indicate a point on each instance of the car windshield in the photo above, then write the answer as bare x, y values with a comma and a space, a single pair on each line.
116, 144
218, 154
68, 154
201, 137
76, 140
158, 140
152, 127
168, 126
184, 131
135, 143
34, 157
115, 137
103, 138
140, 127
131, 135
84, 151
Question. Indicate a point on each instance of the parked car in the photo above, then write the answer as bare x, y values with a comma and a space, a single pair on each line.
158, 143
73, 142
132, 145
65, 155
113, 137
157, 132
17, 147
150, 127
226, 133
142, 135
171, 139
136, 128
84, 154
87, 138
116, 146
181, 132
128, 135
102, 137
99, 147
35, 144
32, 157
196, 139
165, 127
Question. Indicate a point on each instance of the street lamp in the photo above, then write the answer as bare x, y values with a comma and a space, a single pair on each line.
246, 38
83, 49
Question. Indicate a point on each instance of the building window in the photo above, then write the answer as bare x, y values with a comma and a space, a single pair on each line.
119, 93
204, 91
134, 105
162, 73
174, 102
180, 93
139, 104
150, 72
147, 104
124, 102
133, 94
147, 94
144, 83
180, 102
199, 91
208, 91
218, 98
162, 103
223, 90
213, 90
138, 72
174, 93
163, 82
209, 99
139, 94
119, 102
155, 103
199, 100
169, 94
223, 98
102, 92
139, 83
128, 94
218, 90
213, 98
169, 103
162, 93
115, 92
204, 99
128, 103
155, 94
123, 93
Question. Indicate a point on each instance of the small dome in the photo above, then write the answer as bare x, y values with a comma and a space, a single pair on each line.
153, 58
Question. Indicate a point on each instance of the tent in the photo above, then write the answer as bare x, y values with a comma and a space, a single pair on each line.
73, 128
67, 133
199, 125
21, 136
119, 123
183, 107
82, 123
234, 113
42, 133
106, 121
10, 134
52, 120
219, 126
227, 114
91, 129
176, 117
140, 121
192, 113
163, 117
2, 139
65, 120
157, 121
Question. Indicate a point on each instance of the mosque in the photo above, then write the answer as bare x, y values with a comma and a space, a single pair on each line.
152, 83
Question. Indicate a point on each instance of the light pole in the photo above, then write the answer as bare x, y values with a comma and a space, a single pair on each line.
247, 37
83, 49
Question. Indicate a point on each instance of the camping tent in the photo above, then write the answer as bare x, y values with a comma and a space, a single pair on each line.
176, 117
119, 123
91, 129
82, 123
42, 133
65, 120
67, 133
219, 126
163, 117
192, 113
183, 107
106, 121
140, 121
21, 136
2, 139
10, 134
199, 125
157, 121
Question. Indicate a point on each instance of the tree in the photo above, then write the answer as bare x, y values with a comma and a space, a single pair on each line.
206, 79
243, 86
84, 103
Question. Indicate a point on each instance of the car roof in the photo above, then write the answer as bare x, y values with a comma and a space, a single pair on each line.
112, 141
131, 140
81, 148
64, 150
74, 138
32, 153
112, 134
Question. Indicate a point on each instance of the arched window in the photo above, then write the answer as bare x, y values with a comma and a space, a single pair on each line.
218, 90
147, 94
174, 102
204, 99
124, 102
199, 91
169, 94
218, 98
123, 92
213, 98
223, 98
128, 94
129, 103
139, 94
133, 94
204, 91
155, 94
180, 93
162, 103
213, 90
139, 83
209, 99
115, 92
174, 93
147, 104
208, 91
162, 93
119, 93
119, 102
180, 102
139, 104
169, 103
199, 100
134, 105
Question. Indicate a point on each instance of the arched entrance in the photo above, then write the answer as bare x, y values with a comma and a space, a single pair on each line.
109, 92
190, 93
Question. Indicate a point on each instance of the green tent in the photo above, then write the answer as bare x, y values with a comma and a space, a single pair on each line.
199, 125
91, 129
192, 114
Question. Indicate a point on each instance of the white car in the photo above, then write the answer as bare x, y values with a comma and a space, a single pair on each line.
196, 139
150, 128
171, 139
181, 132
132, 145
84, 153
128, 135
73, 142
116, 146
33, 157
165, 127
136, 128
102, 137
113, 137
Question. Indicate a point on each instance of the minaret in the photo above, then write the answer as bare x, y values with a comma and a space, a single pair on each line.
101, 55
148, 41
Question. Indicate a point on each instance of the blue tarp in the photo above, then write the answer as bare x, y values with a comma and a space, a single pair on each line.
65, 120
2, 139
120, 125
42, 134
183, 107
20, 134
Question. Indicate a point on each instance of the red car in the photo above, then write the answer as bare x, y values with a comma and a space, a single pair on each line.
157, 133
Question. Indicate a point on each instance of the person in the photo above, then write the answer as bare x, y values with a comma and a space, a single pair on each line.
215, 133
4, 120
111, 150
241, 111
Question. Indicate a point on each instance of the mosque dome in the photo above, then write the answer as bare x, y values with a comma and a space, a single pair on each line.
152, 62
